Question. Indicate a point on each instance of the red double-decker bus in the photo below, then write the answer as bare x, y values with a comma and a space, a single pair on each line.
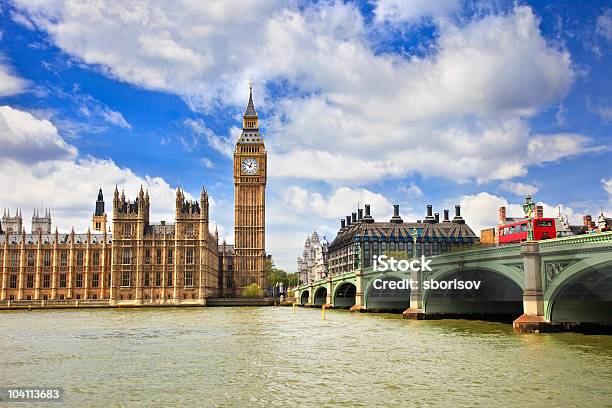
543, 228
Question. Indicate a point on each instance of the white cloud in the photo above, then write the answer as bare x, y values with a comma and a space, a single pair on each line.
293, 211
115, 118
479, 83
340, 202
396, 11
604, 112
519, 189
545, 148
22, 20
222, 144
27, 139
607, 185
604, 24
46, 171
96, 113
207, 163
69, 188
10, 84
413, 191
94, 108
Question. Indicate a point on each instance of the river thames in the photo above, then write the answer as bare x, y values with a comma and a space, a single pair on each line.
248, 356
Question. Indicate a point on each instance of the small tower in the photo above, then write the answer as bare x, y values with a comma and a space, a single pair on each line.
41, 223
98, 222
204, 205
12, 224
188, 216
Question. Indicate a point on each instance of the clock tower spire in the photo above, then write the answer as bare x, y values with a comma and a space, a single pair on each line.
250, 121
250, 174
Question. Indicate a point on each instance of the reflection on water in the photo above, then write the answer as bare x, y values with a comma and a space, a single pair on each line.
267, 356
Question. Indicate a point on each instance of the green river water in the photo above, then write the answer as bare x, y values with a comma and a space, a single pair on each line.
247, 356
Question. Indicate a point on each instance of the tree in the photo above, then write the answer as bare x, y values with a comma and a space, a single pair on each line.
399, 255
274, 275
252, 291
292, 279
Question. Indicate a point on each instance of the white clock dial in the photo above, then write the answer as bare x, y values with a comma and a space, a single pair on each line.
249, 166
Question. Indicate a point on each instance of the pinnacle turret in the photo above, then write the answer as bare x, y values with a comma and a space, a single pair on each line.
250, 109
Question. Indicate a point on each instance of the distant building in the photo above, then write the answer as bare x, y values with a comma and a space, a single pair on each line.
312, 265
360, 237
487, 236
602, 224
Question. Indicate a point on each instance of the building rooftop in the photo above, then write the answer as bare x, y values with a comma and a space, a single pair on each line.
429, 230
13, 238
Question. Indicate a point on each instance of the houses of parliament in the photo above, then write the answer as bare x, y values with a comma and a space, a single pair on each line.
141, 262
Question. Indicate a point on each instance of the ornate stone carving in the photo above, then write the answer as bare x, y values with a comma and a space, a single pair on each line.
553, 269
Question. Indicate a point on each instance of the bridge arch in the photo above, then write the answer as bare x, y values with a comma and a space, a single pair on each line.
500, 294
304, 297
320, 296
344, 295
581, 293
380, 297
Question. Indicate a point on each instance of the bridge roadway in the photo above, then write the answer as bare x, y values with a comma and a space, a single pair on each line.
545, 285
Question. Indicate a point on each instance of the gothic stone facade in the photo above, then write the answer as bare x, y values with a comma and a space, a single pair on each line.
139, 263
312, 265
143, 262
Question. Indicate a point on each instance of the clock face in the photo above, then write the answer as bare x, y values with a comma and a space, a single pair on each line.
249, 166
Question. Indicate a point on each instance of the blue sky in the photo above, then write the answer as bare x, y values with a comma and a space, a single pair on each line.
385, 102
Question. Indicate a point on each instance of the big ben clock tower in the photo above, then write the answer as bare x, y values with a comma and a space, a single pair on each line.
249, 202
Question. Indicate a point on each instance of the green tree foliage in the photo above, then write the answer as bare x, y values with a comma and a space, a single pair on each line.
399, 255
253, 291
276, 275
292, 279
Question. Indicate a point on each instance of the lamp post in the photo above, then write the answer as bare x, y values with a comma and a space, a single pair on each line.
414, 233
529, 209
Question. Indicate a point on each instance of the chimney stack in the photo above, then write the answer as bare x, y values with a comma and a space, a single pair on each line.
348, 220
342, 224
446, 219
396, 219
429, 219
437, 217
368, 218
354, 218
360, 214
458, 218
502, 215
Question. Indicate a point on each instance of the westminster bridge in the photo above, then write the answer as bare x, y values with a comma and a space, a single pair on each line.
545, 284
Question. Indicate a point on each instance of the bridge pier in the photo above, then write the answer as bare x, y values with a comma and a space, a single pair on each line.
330, 296
415, 311
533, 318
359, 295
